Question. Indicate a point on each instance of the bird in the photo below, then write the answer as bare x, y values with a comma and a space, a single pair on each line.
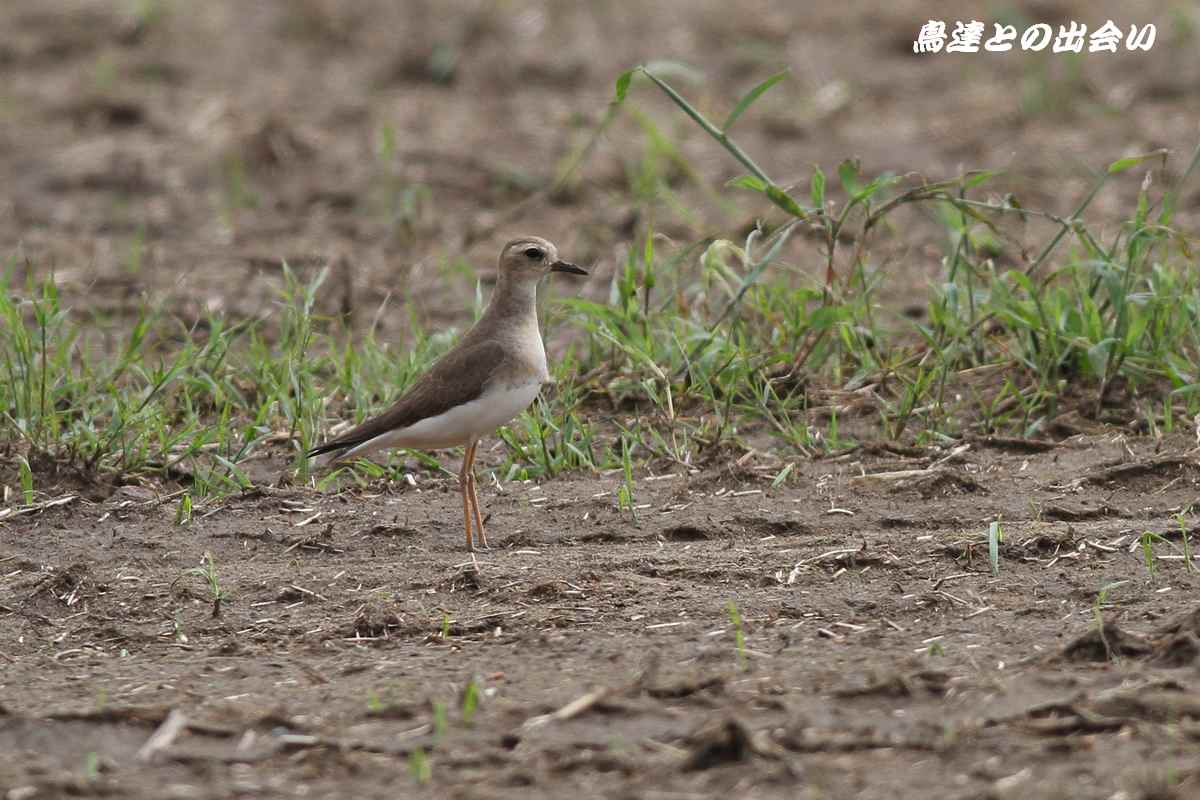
489, 377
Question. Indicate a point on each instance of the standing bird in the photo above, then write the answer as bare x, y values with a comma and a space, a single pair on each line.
492, 374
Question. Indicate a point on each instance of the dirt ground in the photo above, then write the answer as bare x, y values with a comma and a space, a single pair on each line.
176, 152
881, 656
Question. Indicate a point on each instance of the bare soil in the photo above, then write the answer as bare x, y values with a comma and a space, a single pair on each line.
880, 656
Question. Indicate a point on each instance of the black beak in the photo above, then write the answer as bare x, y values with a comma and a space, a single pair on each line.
565, 266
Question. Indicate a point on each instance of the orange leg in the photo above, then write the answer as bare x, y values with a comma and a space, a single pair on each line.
475, 497
464, 481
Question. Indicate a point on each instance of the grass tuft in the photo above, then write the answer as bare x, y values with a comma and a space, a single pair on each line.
698, 347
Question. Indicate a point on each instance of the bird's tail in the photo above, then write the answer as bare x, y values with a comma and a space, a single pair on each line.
328, 453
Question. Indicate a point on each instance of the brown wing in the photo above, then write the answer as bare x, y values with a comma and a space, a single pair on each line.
458, 377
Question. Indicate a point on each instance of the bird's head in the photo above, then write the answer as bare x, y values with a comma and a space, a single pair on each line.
530, 258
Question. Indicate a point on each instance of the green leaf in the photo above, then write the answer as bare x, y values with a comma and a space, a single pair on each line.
748, 182
237, 474
848, 174
677, 70
1180, 370
1137, 327
1168, 210
783, 475
1143, 209
750, 96
1098, 356
818, 188
974, 178
623, 81
470, 702
1020, 279
784, 200
1123, 164
828, 316
871, 188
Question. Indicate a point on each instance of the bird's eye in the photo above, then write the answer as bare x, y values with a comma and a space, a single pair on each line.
534, 253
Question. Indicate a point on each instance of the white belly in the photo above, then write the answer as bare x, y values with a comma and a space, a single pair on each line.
460, 425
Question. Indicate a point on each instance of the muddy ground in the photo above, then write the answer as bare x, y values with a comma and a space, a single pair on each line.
176, 152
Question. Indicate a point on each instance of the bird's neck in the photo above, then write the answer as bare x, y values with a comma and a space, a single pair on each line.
511, 317
514, 300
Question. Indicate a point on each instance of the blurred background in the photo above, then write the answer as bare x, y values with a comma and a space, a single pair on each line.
180, 151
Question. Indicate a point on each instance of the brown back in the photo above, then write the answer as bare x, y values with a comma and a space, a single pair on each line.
459, 376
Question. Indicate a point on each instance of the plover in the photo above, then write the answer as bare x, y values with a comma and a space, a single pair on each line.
492, 374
